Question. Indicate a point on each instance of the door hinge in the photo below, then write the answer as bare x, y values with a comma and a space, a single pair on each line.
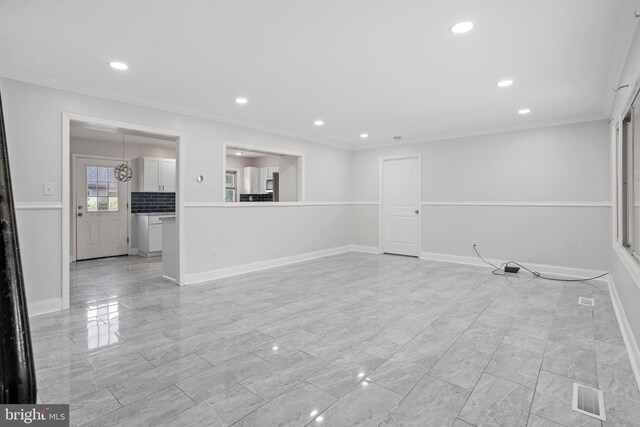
127, 240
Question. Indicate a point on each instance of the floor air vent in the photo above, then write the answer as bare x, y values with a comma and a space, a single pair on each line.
586, 301
588, 401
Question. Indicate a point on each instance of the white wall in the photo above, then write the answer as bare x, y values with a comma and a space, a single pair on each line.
250, 234
33, 117
463, 179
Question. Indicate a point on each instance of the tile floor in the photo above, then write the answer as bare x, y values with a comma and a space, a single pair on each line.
349, 340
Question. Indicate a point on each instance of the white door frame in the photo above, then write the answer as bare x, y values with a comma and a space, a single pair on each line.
180, 136
74, 198
381, 198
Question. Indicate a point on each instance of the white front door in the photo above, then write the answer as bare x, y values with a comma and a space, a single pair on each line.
101, 210
401, 206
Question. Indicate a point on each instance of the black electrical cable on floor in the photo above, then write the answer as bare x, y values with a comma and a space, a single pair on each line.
499, 271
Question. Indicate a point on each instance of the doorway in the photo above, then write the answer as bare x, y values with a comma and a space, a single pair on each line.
400, 205
103, 237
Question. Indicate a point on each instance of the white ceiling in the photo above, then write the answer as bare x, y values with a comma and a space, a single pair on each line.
382, 67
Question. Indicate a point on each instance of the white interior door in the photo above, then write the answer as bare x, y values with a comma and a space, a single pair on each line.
401, 206
101, 210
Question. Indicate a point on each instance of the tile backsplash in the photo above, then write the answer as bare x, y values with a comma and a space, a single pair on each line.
144, 202
267, 197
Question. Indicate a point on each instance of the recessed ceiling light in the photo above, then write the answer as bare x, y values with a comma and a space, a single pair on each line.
319, 419
504, 83
239, 153
364, 135
318, 122
119, 65
241, 100
462, 27
523, 111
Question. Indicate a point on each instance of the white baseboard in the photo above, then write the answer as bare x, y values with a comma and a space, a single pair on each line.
627, 333
366, 249
220, 273
555, 270
43, 307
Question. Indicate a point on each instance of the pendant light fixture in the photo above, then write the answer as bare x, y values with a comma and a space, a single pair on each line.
123, 172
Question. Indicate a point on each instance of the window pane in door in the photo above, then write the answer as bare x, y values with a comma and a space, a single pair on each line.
103, 173
230, 195
103, 203
102, 189
113, 189
92, 204
92, 173
92, 189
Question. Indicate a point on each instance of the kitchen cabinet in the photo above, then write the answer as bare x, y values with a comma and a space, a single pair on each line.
157, 175
150, 234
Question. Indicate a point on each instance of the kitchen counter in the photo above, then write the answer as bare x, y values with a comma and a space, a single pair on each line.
157, 214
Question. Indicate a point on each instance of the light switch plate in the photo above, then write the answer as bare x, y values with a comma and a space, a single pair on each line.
48, 189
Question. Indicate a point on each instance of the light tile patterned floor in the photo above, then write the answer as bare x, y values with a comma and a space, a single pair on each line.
349, 340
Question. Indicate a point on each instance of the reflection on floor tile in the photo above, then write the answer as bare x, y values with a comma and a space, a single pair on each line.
431, 403
365, 405
222, 409
354, 339
296, 407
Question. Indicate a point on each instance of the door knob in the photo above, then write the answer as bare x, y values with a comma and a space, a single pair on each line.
79, 206
417, 211
79, 213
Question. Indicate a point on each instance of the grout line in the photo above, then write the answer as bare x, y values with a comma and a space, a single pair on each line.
489, 361
535, 387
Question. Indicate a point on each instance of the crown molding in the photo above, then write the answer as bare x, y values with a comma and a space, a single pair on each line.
491, 131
